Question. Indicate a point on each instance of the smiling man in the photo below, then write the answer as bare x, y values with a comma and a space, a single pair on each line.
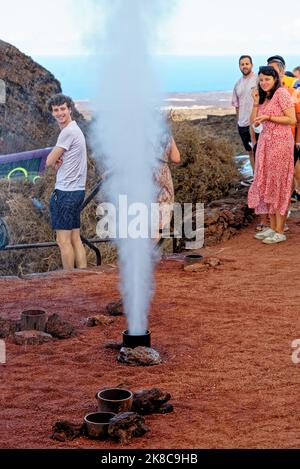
242, 101
69, 159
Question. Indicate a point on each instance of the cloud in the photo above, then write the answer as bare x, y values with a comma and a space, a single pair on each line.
190, 27
38, 27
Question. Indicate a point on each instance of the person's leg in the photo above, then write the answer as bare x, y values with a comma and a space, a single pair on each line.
278, 236
63, 239
273, 221
280, 222
79, 251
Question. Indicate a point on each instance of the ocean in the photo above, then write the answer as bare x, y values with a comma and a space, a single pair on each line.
177, 74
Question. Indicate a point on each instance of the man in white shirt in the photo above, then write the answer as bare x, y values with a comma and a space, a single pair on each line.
242, 100
69, 159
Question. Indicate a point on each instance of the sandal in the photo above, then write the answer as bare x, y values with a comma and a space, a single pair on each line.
261, 227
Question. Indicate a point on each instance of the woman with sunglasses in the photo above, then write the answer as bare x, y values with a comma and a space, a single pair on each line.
270, 191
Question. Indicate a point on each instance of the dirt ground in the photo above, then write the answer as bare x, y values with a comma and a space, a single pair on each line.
224, 335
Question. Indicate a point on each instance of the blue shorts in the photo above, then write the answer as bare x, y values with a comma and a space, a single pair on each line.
65, 208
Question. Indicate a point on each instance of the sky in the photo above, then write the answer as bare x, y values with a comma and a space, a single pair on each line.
186, 27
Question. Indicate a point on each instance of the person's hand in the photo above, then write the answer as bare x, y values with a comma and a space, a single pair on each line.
58, 163
260, 119
255, 95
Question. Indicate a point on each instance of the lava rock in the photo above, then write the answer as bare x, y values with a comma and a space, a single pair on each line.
115, 308
149, 401
8, 327
139, 356
212, 261
165, 409
123, 427
197, 267
26, 123
99, 319
31, 337
5, 328
64, 430
59, 328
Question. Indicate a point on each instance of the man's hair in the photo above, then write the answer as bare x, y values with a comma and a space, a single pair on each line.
246, 57
270, 72
296, 69
280, 65
277, 59
59, 100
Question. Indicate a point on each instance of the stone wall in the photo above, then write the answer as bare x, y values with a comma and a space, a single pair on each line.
225, 217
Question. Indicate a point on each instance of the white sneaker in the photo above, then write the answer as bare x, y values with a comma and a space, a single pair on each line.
275, 238
264, 234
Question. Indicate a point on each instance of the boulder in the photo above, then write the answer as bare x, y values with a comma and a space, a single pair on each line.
24, 119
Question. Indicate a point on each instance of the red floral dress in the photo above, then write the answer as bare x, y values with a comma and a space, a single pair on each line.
274, 161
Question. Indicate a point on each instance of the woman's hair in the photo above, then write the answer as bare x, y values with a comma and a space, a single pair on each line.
270, 72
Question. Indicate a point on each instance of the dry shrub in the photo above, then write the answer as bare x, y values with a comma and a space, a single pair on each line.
207, 170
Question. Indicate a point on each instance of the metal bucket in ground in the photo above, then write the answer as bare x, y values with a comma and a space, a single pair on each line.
192, 259
96, 424
132, 341
33, 319
114, 400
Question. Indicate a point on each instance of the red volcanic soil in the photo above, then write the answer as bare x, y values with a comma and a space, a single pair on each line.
225, 337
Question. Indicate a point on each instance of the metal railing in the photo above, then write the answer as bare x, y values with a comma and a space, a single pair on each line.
91, 243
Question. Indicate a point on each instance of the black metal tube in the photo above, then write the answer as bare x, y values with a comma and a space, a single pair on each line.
93, 193
93, 248
15, 247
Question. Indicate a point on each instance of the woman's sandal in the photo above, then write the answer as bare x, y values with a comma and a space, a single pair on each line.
261, 227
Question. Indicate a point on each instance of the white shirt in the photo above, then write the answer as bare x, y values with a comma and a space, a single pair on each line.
71, 176
242, 98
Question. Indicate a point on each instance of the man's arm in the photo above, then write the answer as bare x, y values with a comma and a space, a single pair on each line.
237, 113
54, 157
235, 102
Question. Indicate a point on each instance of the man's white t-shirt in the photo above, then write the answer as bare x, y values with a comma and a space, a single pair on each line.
242, 98
71, 176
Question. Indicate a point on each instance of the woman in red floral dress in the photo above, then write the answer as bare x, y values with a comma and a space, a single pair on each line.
270, 191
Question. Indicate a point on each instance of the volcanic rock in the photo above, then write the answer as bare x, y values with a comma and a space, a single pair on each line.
149, 401
99, 319
59, 328
139, 356
25, 121
64, 430
197, 267
123, 427
31, 337
9, 326
115, 308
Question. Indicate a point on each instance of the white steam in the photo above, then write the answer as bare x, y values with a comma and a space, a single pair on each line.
128, 132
